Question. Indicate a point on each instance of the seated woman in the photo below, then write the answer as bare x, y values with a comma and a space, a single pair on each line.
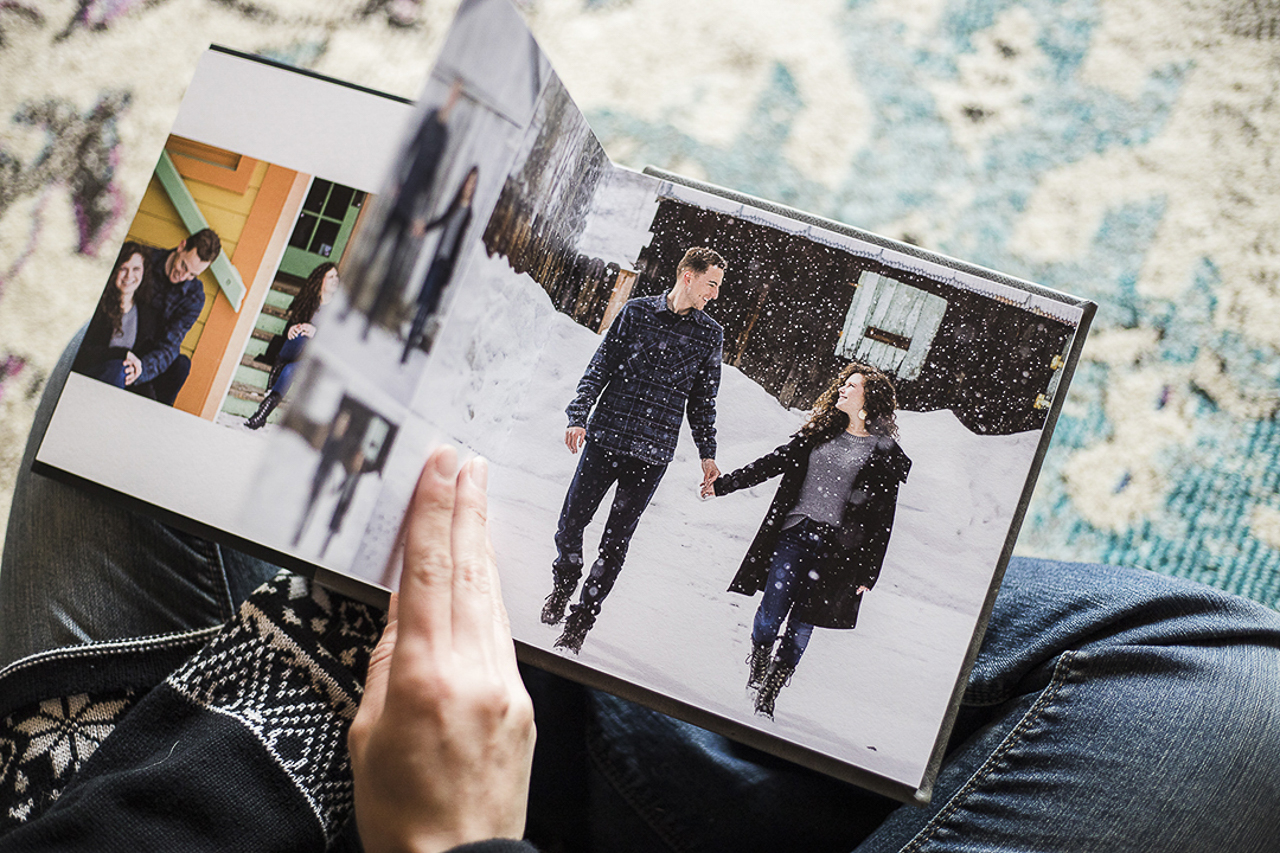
287, 348
107, 352
823, 540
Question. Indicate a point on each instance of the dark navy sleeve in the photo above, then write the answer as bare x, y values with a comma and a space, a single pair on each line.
766, 467
602, 367
176, 325
701, 407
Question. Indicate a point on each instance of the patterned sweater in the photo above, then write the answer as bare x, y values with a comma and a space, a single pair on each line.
242, 746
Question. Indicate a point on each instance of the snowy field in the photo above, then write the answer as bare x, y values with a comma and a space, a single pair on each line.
497, 383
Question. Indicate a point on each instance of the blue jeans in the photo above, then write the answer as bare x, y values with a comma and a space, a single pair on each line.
163, 388
598, 469
77, 569
1108, 709
798, 547
290, 352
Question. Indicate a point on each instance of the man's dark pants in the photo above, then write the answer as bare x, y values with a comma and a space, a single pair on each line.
598, 469
165, 386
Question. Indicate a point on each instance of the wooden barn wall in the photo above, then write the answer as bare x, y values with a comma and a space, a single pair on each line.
783, 306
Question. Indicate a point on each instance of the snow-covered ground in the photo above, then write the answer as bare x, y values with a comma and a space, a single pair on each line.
497, 384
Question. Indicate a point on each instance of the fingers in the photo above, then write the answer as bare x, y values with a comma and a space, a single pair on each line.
450, 598
474, 576
426, 583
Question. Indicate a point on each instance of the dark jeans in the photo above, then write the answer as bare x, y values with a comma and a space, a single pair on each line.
398, 234
799, 549
598, 469
165, 386
288, 362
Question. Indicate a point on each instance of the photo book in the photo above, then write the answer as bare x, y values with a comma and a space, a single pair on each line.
753, 468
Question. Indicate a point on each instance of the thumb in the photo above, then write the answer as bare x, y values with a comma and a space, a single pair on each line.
375, 681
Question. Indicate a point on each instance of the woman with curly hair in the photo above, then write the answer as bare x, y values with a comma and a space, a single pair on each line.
108, 350
285, 349
823, 540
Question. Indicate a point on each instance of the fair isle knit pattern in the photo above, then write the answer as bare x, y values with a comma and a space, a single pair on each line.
290, 669
43, 745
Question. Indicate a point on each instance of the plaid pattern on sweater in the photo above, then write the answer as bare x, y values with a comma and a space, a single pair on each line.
652, 367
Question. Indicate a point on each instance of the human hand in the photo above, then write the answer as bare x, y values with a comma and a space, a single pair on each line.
132, 368
442, 745
301, 329
710, 473
863, 589
574, 438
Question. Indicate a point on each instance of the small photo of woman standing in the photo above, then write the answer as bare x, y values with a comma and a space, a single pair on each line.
823, 540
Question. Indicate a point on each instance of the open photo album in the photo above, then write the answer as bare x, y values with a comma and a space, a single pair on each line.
753, 468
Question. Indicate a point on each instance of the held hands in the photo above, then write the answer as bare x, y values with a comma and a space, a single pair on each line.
442, 744
710, 473
574, 438
305, 330
132, 368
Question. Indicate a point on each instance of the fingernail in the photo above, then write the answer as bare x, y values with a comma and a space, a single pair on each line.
479, 472
445, 461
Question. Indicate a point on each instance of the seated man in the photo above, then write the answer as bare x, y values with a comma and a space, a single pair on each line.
174, 299
1108, 710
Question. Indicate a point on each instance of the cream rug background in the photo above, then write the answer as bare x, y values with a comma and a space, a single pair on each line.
1120, 149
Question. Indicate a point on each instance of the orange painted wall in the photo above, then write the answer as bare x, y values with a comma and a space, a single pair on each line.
246, 221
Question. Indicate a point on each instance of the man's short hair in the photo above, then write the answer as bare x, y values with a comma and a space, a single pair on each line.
206, 243
700, 259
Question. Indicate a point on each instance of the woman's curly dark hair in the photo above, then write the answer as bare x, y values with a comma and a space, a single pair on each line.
307, 302
110, 303
880, 402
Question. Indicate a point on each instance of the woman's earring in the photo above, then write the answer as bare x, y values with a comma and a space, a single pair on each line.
862, 414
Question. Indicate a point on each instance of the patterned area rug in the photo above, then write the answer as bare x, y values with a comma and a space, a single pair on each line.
1118, 149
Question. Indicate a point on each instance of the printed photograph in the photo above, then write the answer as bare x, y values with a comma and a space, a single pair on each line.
492, 101
214, 295
756, 468
753, 464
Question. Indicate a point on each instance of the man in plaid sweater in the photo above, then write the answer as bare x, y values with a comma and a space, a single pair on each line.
659, 359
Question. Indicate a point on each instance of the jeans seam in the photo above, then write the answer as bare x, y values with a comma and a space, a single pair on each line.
212, 556
1015, 736
615, 778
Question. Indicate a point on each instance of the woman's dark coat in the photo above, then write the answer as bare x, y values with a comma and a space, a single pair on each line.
95, 348
830, 601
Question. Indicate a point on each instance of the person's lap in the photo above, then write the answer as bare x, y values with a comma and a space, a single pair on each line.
80, 569
1107, 710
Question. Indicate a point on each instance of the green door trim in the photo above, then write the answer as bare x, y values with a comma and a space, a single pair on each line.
226, 275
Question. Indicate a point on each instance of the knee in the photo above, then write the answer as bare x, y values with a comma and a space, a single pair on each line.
178, 370
112, 373
1197, 729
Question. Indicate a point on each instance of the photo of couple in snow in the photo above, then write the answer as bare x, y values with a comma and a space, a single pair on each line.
713, 424
822, 543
